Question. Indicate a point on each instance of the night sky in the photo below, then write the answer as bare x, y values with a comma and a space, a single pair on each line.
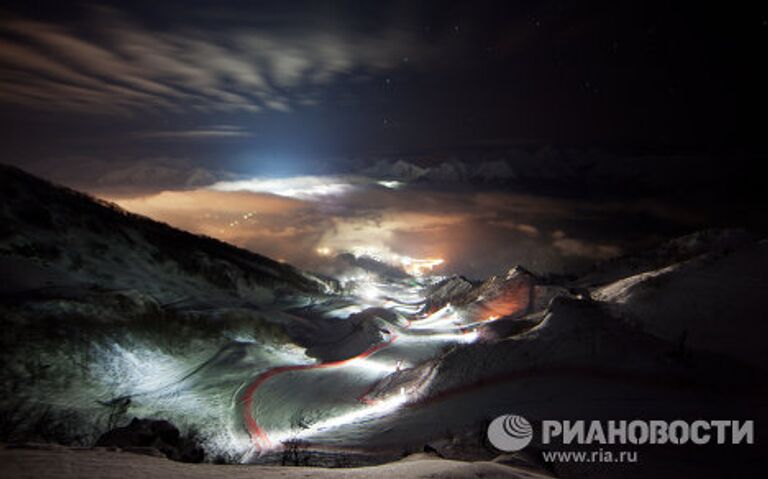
135, 100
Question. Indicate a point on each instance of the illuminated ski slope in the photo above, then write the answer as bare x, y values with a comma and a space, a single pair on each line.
307, 401
250, 398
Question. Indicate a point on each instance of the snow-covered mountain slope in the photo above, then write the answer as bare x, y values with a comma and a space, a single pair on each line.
702, 298
55, 238
98, 307
108, 316
674, 251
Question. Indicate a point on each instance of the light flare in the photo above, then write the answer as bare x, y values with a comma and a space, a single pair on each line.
373, 411
418, 267
368, 291
391, 184
300, 187
374, 366
459, 337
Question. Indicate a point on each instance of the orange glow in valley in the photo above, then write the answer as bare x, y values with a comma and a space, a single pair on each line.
418, 267
515, 299
412, 266
417, 232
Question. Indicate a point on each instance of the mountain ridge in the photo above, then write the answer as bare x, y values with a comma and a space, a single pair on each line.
37, 215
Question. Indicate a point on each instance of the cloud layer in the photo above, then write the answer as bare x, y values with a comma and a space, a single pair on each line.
477, 234
116, 65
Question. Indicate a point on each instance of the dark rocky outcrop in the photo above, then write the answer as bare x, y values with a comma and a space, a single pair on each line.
141, 435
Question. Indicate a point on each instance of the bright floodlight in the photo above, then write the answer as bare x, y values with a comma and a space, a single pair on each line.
301, 187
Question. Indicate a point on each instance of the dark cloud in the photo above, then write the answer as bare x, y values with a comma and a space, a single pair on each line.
117, 65
127, 178
207, 133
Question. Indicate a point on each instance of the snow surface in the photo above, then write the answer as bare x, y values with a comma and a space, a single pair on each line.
100, 463
140, 320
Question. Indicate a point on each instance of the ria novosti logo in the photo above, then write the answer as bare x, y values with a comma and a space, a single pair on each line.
511, 432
